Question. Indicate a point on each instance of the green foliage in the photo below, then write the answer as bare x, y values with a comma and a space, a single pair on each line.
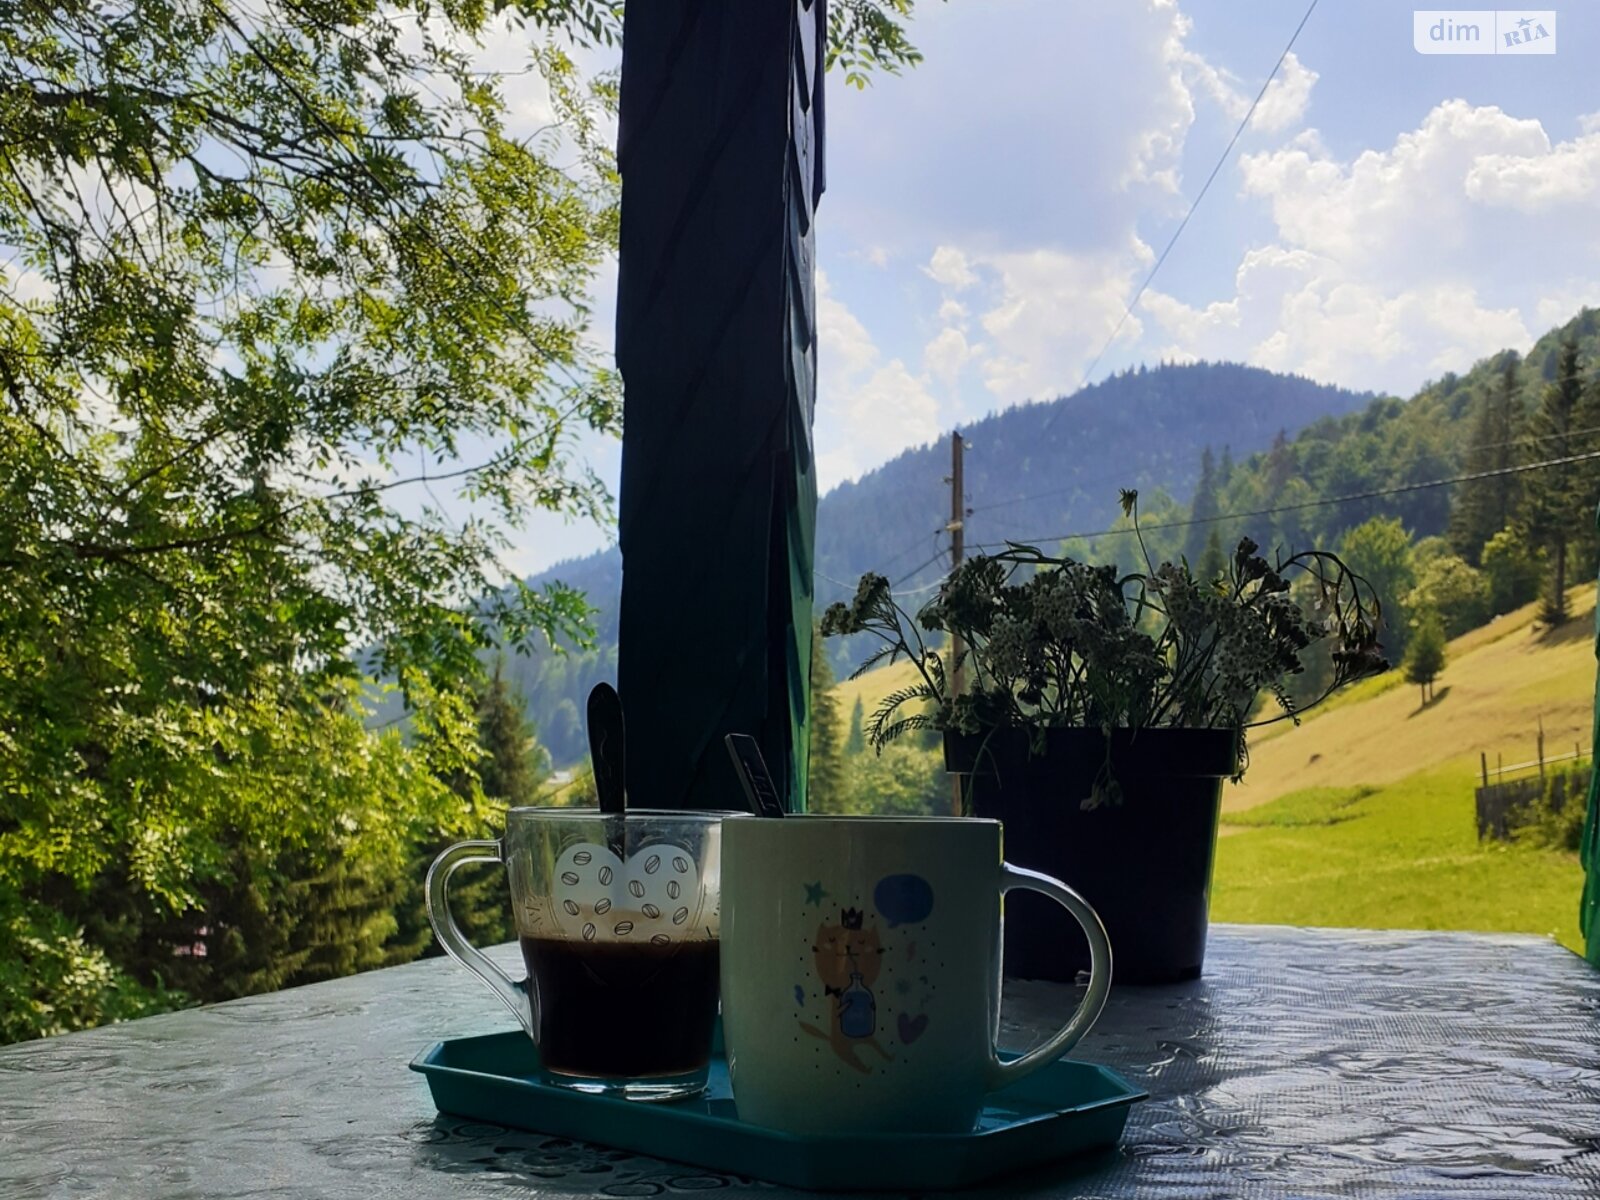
856, 742
903, 778
1213, 564
509, 771
825, 773
1425, 652
1456, 593
53, 981
1512, 570
1051, 643
1557, 512
275, 277
514, 765
869, 35
1483, 507
1379, 550
1202, 511
1555, 820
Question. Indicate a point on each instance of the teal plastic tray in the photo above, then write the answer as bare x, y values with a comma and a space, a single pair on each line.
1063, 1111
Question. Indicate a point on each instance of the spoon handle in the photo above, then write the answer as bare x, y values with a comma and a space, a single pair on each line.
607, 747
753, 774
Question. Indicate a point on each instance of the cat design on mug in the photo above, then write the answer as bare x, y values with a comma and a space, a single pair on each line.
847, 957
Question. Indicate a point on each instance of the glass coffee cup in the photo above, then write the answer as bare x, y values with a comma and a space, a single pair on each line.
619, 922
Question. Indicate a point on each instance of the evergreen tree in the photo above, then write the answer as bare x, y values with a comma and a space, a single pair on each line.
1205, 506
1559, 502
1425, 653
1483, 507
1280, 465
825, 775
856, 743
1213, 563
514, 764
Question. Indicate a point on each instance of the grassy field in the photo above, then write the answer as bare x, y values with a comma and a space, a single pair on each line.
1364, 814
1404, 855
1500, 682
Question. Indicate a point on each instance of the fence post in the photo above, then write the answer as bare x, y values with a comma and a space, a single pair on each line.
1541, 747
1483, 759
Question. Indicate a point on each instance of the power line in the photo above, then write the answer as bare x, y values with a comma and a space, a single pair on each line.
850, 587
937, 555
1321, 502
1060, 491
1127, 474
1199, 196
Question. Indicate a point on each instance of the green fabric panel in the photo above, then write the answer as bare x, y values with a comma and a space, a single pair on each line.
1589, 912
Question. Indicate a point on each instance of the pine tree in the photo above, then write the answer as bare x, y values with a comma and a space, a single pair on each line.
856, 743
1483, 507
1213, 563
514, 764
1205, 506
825, 776
1559, 502
1425, 653
1280, 465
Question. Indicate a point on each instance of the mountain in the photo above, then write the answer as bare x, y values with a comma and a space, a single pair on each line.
1037, 471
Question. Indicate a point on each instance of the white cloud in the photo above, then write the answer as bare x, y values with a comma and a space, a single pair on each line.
1288, 95
1471, 233
946, 354
867, 409
843, 343
1050, 313
1392, 210
949, 267
1544, 179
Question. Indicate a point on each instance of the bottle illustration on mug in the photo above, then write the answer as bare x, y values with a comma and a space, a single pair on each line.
847, 956
858, 1011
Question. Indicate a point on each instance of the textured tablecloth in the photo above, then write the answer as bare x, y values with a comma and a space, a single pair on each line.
1306, 1063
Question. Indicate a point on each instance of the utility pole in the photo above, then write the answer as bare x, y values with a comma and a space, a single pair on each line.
958, 542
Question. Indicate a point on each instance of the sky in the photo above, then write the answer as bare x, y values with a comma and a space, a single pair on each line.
1384, 218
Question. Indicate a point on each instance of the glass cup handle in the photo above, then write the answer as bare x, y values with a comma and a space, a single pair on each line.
450, 936
1003, 1074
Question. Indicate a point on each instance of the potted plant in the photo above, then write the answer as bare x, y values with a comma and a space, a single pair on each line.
1102, 713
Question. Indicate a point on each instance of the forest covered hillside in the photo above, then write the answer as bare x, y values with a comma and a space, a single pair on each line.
1049, 465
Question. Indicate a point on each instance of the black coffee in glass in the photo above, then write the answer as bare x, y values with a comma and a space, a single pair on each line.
627, 1010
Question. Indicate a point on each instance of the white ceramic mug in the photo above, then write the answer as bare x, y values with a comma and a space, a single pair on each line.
861, 971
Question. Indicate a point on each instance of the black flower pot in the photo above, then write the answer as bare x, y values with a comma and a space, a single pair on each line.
1145, 864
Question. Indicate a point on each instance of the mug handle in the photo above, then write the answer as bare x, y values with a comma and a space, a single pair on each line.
449, 934
1003, 1074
